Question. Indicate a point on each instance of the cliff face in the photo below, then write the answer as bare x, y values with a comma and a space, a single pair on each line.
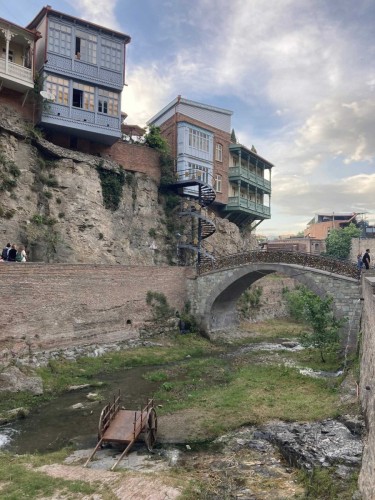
51, 200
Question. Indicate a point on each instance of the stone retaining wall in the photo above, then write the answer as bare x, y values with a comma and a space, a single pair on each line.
46, 307
367, 388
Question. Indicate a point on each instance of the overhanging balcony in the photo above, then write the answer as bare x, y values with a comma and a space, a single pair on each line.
243, 174
242, 204
15, 76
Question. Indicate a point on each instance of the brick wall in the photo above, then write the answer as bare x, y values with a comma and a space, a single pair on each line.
15, 99
169, 131
60, 305
133, 157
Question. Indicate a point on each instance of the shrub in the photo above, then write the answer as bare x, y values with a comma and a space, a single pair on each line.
112, 183
160, 307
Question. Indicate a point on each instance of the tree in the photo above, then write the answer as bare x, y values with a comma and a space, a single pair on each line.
233, 137
308, 307
155, 140
338, 242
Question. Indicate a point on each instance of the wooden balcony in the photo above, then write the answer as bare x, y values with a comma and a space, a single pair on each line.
241, 204
15, 76
243, 174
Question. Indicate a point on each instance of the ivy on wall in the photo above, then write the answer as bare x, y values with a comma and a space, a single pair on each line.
112, 183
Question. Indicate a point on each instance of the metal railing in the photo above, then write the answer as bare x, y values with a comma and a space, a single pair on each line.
328, 264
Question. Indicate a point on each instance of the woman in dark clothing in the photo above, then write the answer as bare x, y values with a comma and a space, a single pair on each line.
12, 254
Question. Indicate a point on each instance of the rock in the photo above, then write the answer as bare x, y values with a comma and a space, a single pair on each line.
93, 396
289, 344
326, 443
78, 387
13, 380
15, 414
77, 406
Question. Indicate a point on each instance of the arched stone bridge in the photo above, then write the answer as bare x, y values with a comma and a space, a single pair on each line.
216, 289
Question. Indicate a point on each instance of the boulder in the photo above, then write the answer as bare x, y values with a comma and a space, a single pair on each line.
13, 380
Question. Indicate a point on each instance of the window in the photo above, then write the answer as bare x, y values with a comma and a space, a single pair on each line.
10, 55
218, 183
60, 39
198, 140
83, 96
59, 87
85, 48
108, 102
111, 55
199, 172
219, 152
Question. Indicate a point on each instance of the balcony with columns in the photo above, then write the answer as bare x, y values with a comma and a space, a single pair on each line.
249, 189
16, 57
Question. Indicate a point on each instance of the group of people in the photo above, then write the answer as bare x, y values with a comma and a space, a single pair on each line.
11, 253
364, 260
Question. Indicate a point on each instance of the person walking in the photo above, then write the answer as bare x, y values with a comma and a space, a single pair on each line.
366, 258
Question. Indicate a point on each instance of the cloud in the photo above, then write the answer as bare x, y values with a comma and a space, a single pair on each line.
100, 12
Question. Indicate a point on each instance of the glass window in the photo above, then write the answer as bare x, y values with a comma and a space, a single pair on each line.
218, 183
219, 152
198, 140
59, 87
199, 172
108, 102
83, 96
111, 55
85, 48
59, 39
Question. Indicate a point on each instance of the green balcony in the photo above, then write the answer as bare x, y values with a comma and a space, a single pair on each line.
244, 175
250, 208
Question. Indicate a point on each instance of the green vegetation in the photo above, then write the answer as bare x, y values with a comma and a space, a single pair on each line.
20, 479
339, 241
9, 172
322, 484
161, 311
316, 312
250, 301
112, 184
155, 140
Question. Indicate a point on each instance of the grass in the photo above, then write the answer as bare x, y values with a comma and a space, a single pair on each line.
321, 484
19, 479
272, 329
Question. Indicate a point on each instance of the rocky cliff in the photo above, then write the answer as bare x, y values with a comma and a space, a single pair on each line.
52, 201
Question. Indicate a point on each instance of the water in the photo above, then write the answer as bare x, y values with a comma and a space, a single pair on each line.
56, 424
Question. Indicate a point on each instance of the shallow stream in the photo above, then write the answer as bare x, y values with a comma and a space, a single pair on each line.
56, 424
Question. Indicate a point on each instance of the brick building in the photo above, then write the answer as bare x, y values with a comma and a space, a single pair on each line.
200, 139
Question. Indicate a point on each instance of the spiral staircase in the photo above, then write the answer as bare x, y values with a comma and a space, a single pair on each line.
194, 206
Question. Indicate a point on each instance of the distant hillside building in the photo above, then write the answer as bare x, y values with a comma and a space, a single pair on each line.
320, 226
82, 67
200, 139
296, 244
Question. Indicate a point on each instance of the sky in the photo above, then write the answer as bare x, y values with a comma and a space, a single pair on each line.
299, 76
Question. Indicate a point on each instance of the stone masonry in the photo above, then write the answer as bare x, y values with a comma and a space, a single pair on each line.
214, 295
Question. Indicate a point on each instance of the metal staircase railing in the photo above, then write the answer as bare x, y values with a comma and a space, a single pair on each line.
197, 200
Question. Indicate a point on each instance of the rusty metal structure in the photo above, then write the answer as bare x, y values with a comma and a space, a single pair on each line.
328, 264
123, 427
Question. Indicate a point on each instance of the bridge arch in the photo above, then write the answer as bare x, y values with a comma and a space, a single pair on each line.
216, 293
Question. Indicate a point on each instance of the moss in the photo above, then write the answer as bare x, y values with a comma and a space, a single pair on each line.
112, 184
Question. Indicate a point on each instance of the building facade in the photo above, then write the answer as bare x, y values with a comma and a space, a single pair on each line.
199, 136
17, 69
81, 69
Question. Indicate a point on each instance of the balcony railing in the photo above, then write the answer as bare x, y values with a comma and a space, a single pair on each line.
244, 173
16, 71
235, 203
